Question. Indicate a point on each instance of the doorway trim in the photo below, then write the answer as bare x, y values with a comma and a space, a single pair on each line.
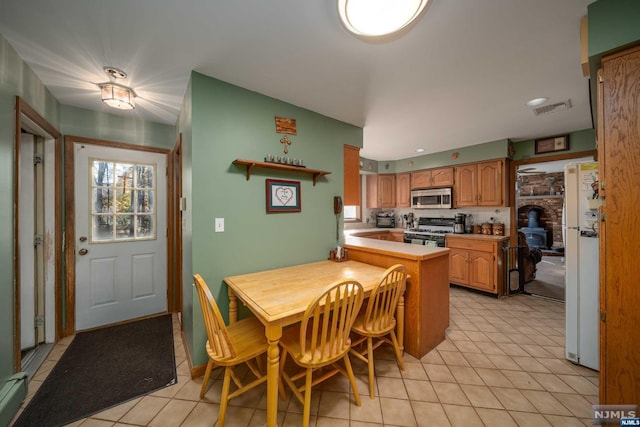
512, 180
175, 232
70, 230
25, 114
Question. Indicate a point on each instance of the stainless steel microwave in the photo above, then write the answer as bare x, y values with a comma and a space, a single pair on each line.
432, 198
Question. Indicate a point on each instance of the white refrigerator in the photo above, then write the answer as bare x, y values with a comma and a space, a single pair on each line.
580, 232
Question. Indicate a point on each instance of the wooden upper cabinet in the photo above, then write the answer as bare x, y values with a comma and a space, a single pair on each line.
381, 191
442, 177
403, 190
351, 176
465, 189
480, 184
491, 183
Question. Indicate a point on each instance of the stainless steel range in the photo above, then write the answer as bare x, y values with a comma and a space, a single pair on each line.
430, 231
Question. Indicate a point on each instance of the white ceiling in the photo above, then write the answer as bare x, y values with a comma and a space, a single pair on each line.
459, 77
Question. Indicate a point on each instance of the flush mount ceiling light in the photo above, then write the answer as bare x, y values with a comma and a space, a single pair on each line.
117, 96
373, 18
536, 101
419, 150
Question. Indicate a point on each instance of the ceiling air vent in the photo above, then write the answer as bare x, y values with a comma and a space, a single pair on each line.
552, 108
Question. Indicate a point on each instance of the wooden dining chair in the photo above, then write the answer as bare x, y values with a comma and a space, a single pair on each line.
321, 340
229, 346
378, 322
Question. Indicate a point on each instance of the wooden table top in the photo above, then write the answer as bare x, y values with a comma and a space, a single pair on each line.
282, 295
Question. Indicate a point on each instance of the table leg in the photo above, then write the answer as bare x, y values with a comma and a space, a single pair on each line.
273, 333
400, 325
233, 307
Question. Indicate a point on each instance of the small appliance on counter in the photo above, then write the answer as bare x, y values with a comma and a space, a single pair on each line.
385, 220
459, 226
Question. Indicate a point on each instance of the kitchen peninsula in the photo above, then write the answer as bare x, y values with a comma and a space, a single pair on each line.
426, 300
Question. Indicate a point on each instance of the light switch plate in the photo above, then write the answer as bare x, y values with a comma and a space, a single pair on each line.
219, 225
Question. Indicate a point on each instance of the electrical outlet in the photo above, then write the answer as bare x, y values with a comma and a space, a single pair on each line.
219, 225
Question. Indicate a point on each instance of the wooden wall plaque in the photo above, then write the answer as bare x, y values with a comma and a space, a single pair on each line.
287, 126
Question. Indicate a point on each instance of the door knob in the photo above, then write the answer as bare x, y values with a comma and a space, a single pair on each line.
83, 251
83, 238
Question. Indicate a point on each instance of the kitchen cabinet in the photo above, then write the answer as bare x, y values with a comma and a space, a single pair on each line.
381, 191
618, 153
441, 177
351, 175
403, 190
481, 184
477, 261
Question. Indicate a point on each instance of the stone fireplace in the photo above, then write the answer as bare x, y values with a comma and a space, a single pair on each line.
546, 209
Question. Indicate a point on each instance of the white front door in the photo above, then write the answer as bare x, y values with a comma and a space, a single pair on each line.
121, 234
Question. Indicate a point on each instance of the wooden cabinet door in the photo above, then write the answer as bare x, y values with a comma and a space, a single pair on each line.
420, 179
490, 183
372, 191
442, 177
465, 186
386, 191
459, 266
403, 190
351, 175
481, 271
619, 266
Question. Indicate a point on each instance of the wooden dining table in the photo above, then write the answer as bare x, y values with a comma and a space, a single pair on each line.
279, 298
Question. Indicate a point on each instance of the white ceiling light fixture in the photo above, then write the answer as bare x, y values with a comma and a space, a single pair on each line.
419, 150
536, 102
117, 96
374, 18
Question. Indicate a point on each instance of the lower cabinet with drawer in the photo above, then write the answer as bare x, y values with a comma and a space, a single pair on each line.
478, 261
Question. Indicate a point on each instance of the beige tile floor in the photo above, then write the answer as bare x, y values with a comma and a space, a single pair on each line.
502, 364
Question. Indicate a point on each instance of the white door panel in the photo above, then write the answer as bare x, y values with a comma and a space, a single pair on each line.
26, 199
121, 224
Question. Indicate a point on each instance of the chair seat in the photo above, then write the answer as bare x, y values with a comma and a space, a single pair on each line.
367, 328
291, 342
248, 339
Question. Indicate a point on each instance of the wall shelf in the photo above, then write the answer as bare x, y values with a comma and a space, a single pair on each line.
250, 164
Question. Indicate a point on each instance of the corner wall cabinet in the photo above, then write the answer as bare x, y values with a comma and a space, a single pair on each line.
477, 262
250, 164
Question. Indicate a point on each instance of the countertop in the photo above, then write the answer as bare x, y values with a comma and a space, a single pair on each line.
402, 250
371, 230
479, 237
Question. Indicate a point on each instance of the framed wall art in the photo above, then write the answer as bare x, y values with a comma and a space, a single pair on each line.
551, 145
283, 196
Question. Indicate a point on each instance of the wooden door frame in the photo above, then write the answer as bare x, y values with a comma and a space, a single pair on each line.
513, 233
70, 214
175, 232
24, 109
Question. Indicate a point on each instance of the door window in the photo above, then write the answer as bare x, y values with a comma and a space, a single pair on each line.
123, 196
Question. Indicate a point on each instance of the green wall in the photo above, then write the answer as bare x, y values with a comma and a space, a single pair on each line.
229, 122
582, 140
93, 124
474, 153
15, 79
612, 24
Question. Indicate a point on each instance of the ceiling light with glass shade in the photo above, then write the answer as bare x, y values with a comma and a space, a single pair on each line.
118, 96
375, 18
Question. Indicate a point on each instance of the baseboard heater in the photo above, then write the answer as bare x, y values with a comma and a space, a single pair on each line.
12, 392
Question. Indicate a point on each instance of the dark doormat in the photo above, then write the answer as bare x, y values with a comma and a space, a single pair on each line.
103, 368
